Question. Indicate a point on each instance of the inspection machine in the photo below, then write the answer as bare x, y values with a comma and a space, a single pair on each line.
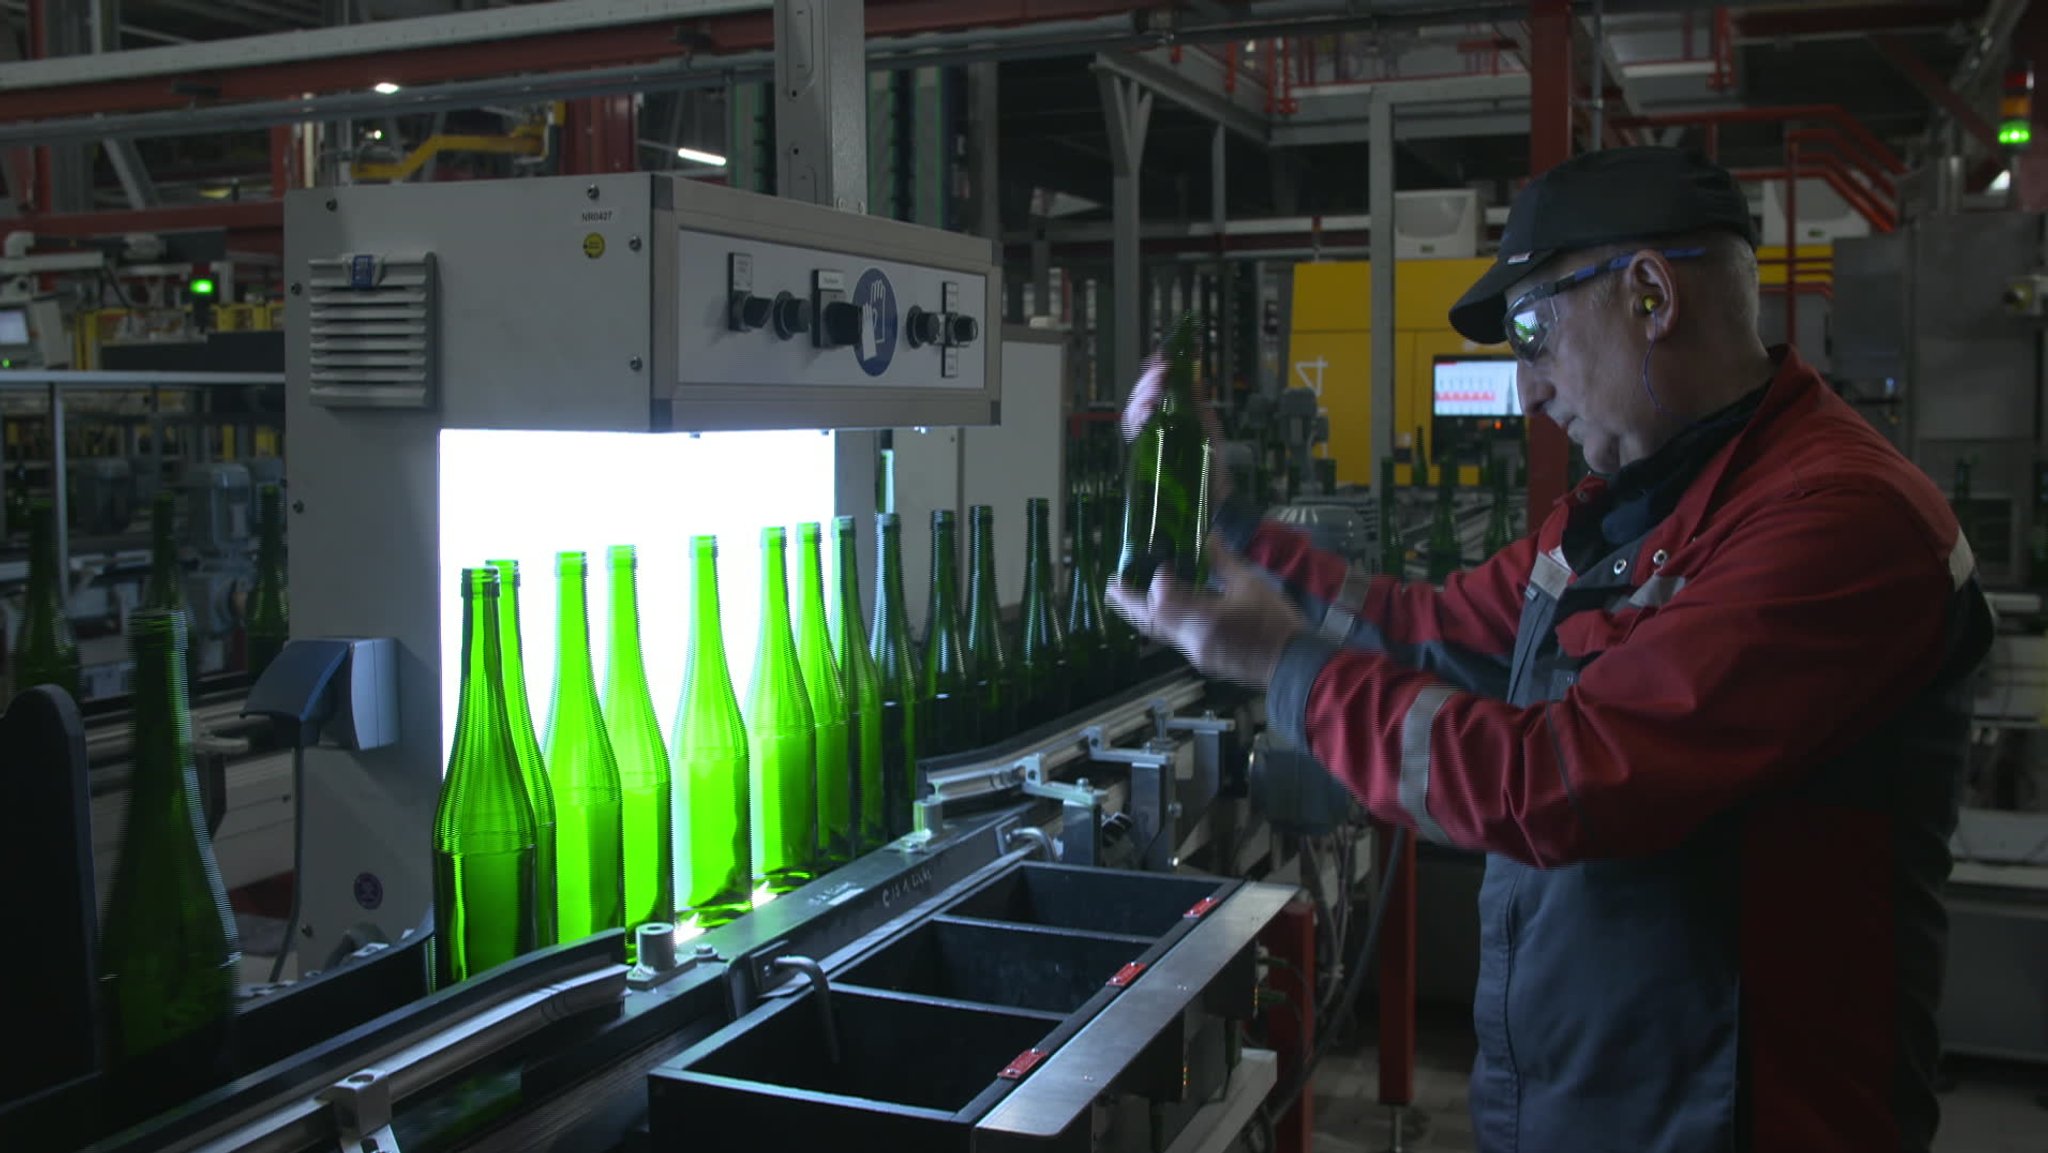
507, 369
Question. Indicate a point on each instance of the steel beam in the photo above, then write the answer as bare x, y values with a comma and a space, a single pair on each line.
233, 216
1189, 85
1874, 150
1380, 203
1902, 57
821, 118
1128, 111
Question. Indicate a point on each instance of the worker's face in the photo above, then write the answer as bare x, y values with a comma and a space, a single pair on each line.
1585, 372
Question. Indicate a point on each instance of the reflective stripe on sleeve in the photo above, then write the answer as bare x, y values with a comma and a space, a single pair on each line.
1415, 751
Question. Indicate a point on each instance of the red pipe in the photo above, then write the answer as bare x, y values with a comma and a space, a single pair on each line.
1723, 77
1291, 938
1828, 138
1876, 149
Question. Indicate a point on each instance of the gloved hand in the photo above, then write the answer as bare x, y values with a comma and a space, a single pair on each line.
1236, 631
1144, 401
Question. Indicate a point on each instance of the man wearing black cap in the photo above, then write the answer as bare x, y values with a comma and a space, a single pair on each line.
1707, 722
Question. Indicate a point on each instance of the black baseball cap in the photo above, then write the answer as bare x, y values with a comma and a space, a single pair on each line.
1599, 198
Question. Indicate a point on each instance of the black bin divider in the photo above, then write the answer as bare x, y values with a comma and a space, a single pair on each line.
992, 963
1093, 900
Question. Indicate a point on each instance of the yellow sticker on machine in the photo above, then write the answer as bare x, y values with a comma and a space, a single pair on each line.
593, 245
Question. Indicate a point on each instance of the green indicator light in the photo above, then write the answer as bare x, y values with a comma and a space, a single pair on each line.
2015, 133
201, 286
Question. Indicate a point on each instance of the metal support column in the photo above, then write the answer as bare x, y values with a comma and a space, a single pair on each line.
821, 141
1129, 111
1550, 144
1380, 204
984, 131
603, 135
1226, 299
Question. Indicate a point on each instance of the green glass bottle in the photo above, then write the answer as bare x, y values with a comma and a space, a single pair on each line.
483, 827
708, 748
1445, 551
780, 738
646, 808
268, 624
590, 887
838, 830
861, 688
945, 702
1498, 532
46, 650
1088, 647
1392, 554
896, 670
988, 658
165, 588
1166, 490
1044, 679
168, 955
533, 772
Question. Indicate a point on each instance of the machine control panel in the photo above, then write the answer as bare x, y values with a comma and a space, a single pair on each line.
815, 317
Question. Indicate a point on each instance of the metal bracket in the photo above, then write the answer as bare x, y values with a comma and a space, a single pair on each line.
642, 978
362, 1112
1157, 752
1208, 722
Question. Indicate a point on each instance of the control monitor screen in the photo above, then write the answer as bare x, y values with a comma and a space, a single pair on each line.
13, 326
1476, 386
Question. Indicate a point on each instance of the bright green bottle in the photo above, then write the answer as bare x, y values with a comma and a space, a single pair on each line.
1044, 679
590, 888
647, 808
46, 651
1166, 490
861, 688
988, 659
780, 738
166, 586
838, 831
945, 702
168, 955
1089, 653
268, 625
896, 670
708, 748
533, 771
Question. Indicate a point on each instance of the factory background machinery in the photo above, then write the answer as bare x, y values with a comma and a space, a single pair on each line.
642, 249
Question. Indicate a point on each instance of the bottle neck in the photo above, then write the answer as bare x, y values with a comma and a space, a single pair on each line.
774, 588
707, 634
1180, 388
945, 592
481, 706
889, 579
1037, 552
847, 562
163, 750
572, 636
623, 638
511, 644
43, 582
810, 577
270, 539
981, 564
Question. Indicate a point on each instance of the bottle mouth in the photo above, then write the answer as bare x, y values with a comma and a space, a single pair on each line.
623, 556
507, 570
888, 520
809, 530
773, 534
571, 563
480, 581
704, 545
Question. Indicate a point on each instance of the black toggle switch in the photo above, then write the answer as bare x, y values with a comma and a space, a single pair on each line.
839, 324
746, 312
922, 328
961, 329
792, 315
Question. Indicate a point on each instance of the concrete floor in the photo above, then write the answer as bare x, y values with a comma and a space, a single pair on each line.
1992, 1107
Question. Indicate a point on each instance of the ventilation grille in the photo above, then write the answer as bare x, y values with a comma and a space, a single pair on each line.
372, 337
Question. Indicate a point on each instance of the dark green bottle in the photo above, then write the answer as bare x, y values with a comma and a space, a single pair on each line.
168, 955
896, 670
1044, 678
945, 702
838, 831
483, 827
1392, 554
861, 688
988, 658
533, 771
1088, 646
166, 586
1498, 533
590, 886
1445, 550
780, 737
46, 651
708, 748
269, 625
1166, 489
646, 807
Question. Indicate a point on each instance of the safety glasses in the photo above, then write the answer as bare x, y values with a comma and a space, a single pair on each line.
1534, 313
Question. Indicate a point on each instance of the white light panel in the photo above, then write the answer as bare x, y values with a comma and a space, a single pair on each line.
527, 495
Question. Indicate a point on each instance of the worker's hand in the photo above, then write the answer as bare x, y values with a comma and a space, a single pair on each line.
1236, 631
1145, 398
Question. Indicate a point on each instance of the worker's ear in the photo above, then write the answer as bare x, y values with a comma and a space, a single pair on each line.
1650, 294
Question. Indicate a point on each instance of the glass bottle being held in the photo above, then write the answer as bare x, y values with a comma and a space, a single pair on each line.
46, 651
861, 688
533, 772
590, 886
1043, 676
945, 701
268, 625
1088, 645
168, 953
838, 829
781, 738
483, 827
1166, 491
988, 659
714, 847
896, 667
645, 805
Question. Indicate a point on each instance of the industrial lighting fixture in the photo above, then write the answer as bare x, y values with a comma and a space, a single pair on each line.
2001, 182
386, 88
699, 157
2016, 107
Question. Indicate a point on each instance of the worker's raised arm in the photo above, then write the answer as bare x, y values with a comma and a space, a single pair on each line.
1801, 634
